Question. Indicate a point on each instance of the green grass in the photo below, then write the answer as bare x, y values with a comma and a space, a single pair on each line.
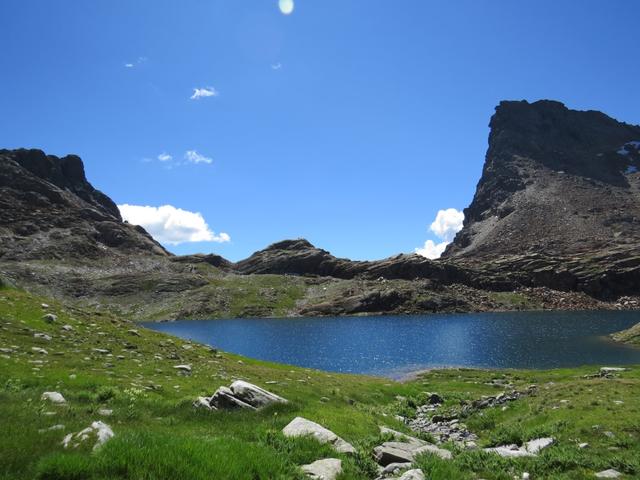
159, 435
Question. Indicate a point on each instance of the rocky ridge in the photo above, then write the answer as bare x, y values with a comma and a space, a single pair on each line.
555, 223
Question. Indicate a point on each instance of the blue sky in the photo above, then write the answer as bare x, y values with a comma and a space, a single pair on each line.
350, 123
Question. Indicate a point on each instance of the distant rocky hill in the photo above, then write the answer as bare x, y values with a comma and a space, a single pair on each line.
555, 223
555, 182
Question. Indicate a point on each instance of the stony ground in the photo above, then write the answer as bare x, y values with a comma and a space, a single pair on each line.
111, 371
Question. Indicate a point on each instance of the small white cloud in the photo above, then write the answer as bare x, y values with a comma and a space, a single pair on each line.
205, 92
192, 156
276, 66
139, 61
165, 157
170, 225
447, 223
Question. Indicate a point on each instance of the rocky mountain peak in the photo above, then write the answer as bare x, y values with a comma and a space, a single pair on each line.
50, 211
66, 173
555, 180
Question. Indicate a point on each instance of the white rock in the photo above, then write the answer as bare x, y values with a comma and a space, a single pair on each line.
583, 445
53, 397
50, 318
39, 350
42, 336
301, 427
98, 430
67, 328
327, 469
105, 412
611, 473
529, 449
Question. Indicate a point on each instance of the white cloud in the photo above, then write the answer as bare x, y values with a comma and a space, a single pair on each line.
276, 66
165, 157
204, 92
139, 61
192, 156
447, 223
431, 249
171, 225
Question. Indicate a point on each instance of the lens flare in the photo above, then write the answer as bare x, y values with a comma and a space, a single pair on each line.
286, 6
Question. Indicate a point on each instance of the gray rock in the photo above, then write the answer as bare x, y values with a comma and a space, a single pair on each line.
301, 427
254, 395
404, 452
327, 469
611, 473
39, 350
42, 336
50, 318
393, 468
534, 446
224, 399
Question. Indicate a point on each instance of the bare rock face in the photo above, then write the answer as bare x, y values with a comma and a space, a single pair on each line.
555, 181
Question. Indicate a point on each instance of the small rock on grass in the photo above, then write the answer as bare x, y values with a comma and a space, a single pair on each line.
327, 469
53, 397
611, 473
50, 318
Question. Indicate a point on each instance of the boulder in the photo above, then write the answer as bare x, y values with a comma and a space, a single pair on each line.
534, 446
301, 427
254, 395
404, 452
53, 397
99, 431
50, 318
224, 399
327, 469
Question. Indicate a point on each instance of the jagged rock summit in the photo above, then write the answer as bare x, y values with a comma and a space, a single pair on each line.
555, 181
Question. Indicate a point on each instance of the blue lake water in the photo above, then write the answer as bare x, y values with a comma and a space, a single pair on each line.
396, 345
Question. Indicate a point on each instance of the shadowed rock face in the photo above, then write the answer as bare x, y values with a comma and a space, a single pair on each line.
50, 211
555, 181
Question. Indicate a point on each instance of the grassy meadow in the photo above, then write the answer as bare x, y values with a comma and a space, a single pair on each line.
100, 362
